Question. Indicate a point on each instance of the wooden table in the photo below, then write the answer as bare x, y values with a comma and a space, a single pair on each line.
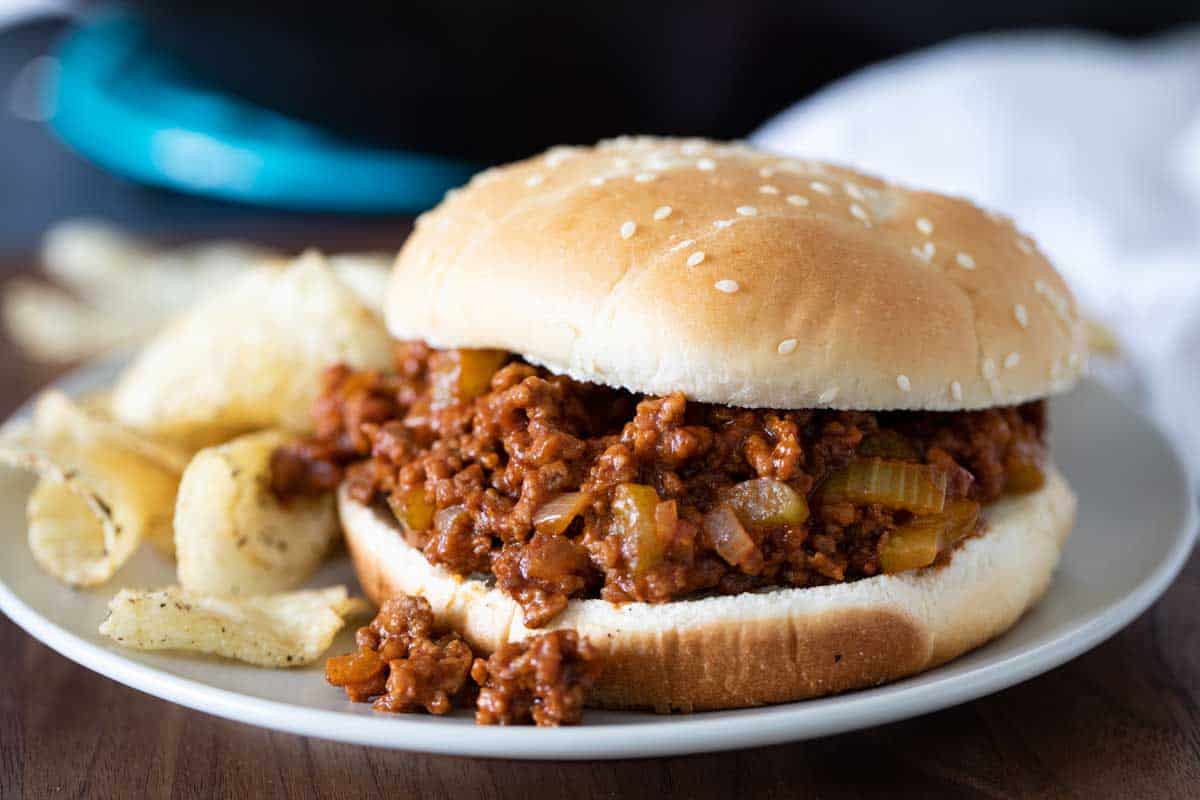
1120, 721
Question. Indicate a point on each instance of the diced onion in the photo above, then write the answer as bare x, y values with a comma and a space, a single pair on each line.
634, 508
730, 540
1024, 475
476, 368
555, 516
919, 488
412, 509
461, 375
918, 543
447, 518
766, 503
357, 667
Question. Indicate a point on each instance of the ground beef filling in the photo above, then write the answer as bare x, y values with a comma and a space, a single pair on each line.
565, 489
401, 664
543, 679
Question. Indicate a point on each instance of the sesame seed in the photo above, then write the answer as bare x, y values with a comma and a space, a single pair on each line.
662, 212
854, 192
828, 395
722, 224
786, 346
695, 258
706, 165
1022, 315
1054, 299
692, 148
727, 286
1011, 360
989, 368
797, 199
534, 180
925, 252
904, 383
1024, 246
597, 180
747, 211
621, 162
823, 188
965, 261
628, 228
924, 226
859, 212
766, 172
686, 243
645, 177
956, 390
767, 188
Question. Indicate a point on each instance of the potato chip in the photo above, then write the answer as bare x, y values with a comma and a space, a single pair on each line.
366, 274
115, 272
126, 486
50, 325
277, 630
63, 529
251, 357
117, 289
121, 489
88, 254
234, 536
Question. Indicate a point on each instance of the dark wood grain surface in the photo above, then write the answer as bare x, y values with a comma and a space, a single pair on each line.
1121, 721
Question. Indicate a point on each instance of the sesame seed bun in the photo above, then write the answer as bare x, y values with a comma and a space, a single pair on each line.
802, 643
741, 278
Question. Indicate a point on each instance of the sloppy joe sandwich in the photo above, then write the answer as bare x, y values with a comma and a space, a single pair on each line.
758, 429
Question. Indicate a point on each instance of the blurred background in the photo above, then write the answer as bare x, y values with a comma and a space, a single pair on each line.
184, 121
439, 88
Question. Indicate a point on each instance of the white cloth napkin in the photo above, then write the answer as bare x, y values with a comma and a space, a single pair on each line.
1092, 145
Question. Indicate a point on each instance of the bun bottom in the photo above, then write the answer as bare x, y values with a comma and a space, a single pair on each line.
774, 646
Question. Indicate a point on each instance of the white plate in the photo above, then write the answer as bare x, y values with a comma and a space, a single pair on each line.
1137, 524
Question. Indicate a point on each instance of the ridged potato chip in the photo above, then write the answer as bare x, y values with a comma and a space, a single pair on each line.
366, 274
251, 357
279, 630
118, 273
51, 325
233, 535
112, 289
102, 491
67, 536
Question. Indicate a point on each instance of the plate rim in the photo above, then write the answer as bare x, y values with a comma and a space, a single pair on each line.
672, 735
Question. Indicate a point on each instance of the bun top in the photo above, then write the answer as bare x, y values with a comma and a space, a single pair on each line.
739, 277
